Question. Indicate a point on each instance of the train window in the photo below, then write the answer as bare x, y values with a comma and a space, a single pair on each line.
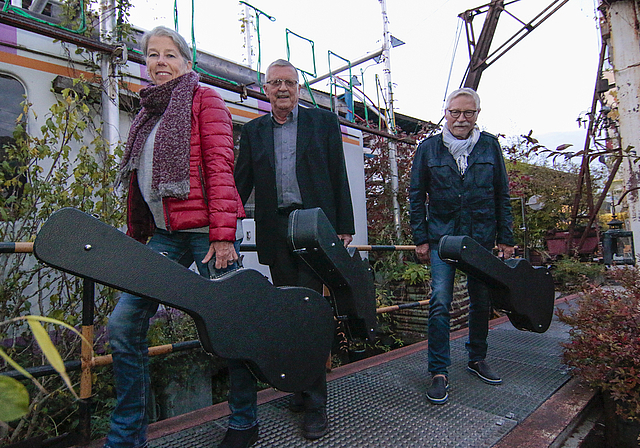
11, 97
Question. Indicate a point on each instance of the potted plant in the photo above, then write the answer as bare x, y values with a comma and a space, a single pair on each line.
604, 351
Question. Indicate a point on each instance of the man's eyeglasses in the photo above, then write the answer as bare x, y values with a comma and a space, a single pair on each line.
467, 113
278, 82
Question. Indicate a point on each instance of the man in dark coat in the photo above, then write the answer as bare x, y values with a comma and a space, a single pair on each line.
459, 186
293, 158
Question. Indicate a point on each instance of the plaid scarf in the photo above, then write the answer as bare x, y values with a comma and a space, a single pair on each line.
172, 103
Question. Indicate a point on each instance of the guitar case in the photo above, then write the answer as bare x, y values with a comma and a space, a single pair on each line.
284, 334
524, 292
348, 277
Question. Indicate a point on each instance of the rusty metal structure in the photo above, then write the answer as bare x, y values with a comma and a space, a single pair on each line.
579, 238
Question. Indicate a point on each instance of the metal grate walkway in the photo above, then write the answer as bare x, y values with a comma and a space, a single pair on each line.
385, 406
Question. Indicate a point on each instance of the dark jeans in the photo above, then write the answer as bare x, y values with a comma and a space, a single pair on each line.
442, 277
287, 270
128, 326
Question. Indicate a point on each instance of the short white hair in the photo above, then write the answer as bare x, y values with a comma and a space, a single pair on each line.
464, 91
282, 63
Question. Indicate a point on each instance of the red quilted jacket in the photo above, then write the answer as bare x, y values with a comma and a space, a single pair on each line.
213, 199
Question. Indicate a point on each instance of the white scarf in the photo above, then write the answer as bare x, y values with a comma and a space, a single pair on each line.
460, 149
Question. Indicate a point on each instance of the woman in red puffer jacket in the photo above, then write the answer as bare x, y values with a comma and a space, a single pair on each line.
181, 201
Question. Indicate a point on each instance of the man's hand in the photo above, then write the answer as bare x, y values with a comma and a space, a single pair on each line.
423, 253
507, 251
346, 239
224, 251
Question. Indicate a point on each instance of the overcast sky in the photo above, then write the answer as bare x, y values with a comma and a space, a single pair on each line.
542, 84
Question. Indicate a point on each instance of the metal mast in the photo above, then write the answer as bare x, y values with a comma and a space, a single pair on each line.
390, 118
109, 72
248, 25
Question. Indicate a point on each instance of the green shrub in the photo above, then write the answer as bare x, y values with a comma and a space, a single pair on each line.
571, 275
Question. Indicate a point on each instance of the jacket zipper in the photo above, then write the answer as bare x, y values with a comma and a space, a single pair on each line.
204, 191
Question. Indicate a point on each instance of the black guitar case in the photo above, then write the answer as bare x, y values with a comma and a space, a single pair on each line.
524, 292
284, 333
349, 278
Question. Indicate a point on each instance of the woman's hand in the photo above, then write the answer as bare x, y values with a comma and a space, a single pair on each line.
224, 251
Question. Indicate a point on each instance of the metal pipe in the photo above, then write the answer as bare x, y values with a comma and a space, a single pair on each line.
100, 361
361, 247
109, 73
11, 248
345, 67
381, 247
402, 306
391, 121
86, 353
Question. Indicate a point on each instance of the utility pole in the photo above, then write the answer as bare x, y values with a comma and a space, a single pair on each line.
390, 118
109, 73
622, 17
248, 25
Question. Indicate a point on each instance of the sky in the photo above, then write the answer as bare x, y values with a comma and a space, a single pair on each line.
543, 84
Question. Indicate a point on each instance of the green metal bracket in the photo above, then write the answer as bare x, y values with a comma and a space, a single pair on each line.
194, 48
333, 84
304, 72
308, 87
258, 13
313, 53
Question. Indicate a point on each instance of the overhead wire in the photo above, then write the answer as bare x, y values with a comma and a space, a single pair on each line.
456, 42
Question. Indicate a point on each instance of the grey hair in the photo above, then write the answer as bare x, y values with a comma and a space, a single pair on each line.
460, 92
163, 31
282, 63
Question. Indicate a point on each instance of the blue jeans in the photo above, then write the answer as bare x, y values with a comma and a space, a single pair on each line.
442, 277
128, 326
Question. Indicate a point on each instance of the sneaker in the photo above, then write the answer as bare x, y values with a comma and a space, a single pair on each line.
437, 392
482, 369
315, 423
240, 438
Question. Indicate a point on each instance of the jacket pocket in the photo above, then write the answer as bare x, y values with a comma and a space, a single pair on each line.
482, 172
440, 176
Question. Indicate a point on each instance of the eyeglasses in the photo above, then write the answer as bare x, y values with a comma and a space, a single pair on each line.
278, 82
467, 113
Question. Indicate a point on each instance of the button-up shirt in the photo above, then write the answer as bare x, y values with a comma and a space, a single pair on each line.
284, 145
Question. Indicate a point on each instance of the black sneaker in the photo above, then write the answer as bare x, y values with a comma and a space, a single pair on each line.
482, 369
315, 423
437, 392
240, 438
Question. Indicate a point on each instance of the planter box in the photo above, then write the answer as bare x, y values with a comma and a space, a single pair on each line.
414, 320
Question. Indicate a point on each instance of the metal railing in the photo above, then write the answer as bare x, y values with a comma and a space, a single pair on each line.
88, 361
